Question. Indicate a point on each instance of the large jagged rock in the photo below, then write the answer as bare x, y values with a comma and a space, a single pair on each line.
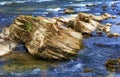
85, 23
54, 38
46, 38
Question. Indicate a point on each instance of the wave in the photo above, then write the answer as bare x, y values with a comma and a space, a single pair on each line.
18, 1
5, 2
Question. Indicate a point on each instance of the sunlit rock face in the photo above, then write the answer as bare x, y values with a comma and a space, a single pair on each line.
46, 38
54, 38
6, 45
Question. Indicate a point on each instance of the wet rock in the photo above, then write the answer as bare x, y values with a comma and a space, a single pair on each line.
90, 5
118, 23
104, 7
54, 38
108, 24
83, 16
4, 48
106, 29
6, 45
45, 38
113, 34
113, 64
69, 11
86, 70
5, 33
99, 32
113, 17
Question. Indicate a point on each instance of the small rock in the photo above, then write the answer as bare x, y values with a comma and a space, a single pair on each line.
69, 11
107, 30
108, 24
113, 17
118, 23
90, 5
104, 6
116, 34
112, 64
99, 32
6, 47
88, 70
113, 34
118, 13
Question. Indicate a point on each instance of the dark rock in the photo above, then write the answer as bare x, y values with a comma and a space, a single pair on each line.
113, 64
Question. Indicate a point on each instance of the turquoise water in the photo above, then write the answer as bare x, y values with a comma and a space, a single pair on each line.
92, 56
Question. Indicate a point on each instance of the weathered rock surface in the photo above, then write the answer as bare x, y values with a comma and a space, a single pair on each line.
6, 45
54, 38
46, 38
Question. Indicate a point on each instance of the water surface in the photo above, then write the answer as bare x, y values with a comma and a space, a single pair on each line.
97, 49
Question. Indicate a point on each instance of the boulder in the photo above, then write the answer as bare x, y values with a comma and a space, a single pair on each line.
54, 38
45, 37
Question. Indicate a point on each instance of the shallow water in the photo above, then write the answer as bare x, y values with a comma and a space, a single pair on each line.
97, 49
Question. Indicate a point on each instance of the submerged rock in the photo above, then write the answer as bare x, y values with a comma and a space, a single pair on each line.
113, 64
69, 11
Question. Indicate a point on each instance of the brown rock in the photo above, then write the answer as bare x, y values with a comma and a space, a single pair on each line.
113, 34
113, 64
69, 11
44, 38
54, 38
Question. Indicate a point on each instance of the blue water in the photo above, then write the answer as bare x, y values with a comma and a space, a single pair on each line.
9, 9
92, 56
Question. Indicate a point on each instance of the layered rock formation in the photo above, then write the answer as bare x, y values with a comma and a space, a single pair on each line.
54, 38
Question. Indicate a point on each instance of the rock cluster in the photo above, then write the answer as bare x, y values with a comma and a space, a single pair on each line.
55, 38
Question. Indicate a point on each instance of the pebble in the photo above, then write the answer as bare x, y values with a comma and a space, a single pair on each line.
108, 24
118, 23
99, 32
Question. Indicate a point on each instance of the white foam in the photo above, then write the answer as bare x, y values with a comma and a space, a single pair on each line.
76, 67
77, 5
41, 0
5, 2
54, 9
19, 1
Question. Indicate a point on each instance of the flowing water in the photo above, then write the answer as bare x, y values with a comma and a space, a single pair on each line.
91, 60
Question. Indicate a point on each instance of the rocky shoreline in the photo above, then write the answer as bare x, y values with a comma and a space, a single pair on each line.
101, 48
33, 32
53, 38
